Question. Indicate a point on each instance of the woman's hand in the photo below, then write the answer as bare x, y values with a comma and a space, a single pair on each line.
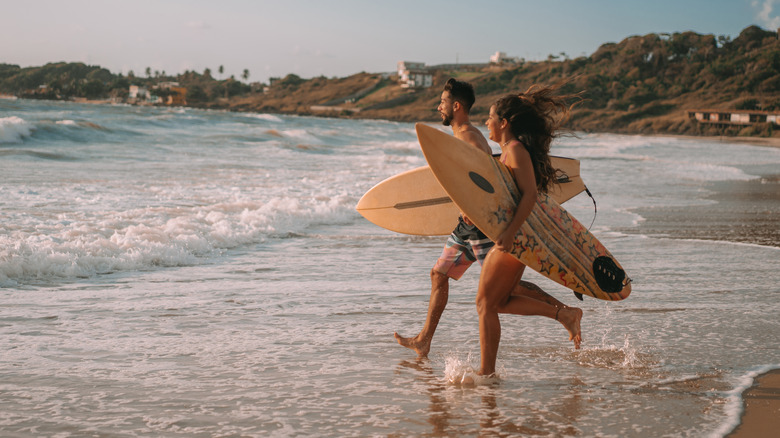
505, 241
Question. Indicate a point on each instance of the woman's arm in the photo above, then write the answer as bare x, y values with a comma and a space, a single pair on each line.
519, 161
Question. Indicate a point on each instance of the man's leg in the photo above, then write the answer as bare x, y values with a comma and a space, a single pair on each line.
455, 259
440, 290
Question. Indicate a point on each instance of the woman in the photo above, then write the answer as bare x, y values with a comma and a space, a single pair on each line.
524, 125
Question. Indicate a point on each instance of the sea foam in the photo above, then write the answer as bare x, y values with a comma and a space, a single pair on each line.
266, 117
85, 246
734, 403
13, 129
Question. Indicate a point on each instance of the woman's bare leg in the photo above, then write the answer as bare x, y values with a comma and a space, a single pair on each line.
500, 273
498, 283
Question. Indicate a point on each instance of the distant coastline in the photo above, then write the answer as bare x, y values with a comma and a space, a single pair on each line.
643, 85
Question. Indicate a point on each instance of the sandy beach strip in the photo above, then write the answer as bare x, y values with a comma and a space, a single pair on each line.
742, 211
754, 141
761, 414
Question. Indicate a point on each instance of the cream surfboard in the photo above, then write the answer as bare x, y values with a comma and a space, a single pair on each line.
413, 202
551, 241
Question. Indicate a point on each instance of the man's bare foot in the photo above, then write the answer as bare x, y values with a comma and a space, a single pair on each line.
421, 347
570, 317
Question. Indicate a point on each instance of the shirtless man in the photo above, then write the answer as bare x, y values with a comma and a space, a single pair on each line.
467, 243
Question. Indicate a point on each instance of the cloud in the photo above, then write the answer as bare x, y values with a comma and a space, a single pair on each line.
766, 15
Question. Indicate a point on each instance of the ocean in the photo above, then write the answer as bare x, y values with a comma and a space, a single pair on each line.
182, 272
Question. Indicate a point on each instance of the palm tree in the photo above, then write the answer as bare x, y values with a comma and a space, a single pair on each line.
245, 75
221, 70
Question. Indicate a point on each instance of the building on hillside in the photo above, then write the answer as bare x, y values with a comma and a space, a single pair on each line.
414, 75
178, 96
405, 66
734, 117
174, 95
167, 85
137, 92
501, 58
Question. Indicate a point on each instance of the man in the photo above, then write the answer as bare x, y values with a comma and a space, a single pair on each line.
467, 243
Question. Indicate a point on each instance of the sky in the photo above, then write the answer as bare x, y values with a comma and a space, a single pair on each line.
338, 38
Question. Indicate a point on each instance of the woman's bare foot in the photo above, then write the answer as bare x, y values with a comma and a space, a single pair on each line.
421, 347
570, 317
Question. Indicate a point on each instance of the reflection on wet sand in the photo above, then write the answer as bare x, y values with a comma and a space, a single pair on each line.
453, 408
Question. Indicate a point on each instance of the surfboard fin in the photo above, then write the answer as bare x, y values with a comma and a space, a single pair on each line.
578, 295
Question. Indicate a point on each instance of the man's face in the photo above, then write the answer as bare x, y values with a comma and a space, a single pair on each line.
445, 108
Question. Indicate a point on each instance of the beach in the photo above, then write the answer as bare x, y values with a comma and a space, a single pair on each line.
740, 211
180, 272
754, 141
761, 416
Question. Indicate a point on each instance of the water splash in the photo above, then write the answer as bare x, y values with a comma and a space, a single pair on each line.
463, 372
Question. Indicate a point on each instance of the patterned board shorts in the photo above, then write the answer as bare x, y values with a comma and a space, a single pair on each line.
465, 246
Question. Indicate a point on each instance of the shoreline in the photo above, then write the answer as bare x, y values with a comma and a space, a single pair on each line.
754, 141
773, 142
715, 221
760, 408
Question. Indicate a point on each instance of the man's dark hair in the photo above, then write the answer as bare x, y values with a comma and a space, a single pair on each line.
461, 92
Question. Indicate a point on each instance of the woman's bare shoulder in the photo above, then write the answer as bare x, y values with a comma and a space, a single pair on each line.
518, 153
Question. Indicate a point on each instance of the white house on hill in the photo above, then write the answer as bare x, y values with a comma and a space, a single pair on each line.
137, 92
501, 58
414, 75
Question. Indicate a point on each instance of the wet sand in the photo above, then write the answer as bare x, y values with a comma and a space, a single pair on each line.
761, 416
755, 141
742, 211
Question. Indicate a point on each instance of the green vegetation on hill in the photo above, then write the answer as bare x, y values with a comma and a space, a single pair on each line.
644, 84
59, 80
64, 81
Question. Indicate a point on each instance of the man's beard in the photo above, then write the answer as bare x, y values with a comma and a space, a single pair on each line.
447, 119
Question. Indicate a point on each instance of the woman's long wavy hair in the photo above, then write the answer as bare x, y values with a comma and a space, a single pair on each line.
535, 117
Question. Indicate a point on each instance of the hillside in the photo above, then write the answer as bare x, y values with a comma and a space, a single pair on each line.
643, 84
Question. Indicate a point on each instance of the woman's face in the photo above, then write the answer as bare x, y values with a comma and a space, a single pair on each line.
494, 125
